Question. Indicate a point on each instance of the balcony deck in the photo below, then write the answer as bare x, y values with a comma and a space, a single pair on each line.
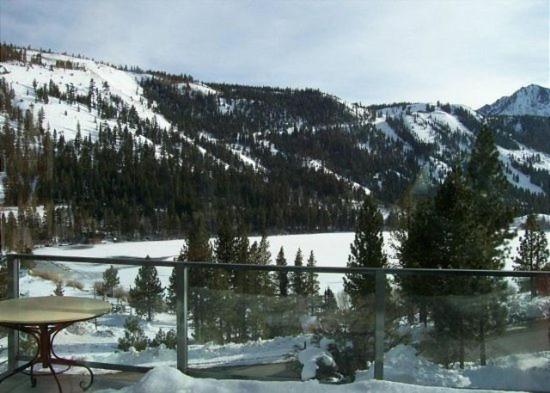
69, 382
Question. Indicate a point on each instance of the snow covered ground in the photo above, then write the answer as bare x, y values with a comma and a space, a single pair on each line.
170, 380
527, 371
100, 345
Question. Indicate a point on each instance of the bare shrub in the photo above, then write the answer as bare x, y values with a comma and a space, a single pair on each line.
75, 284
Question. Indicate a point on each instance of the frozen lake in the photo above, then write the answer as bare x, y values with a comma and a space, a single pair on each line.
330, 249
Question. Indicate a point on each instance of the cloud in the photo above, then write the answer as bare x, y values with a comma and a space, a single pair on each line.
470, 52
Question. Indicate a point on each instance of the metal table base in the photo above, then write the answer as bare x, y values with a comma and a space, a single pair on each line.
44, 335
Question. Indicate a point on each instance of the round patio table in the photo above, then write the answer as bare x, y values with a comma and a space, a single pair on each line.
42, 318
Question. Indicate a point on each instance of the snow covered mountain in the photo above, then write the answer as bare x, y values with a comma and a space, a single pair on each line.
531, 100
447, 131
303, 146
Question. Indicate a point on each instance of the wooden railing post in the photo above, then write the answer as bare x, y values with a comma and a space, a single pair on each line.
380, 299
13, 292
181, 316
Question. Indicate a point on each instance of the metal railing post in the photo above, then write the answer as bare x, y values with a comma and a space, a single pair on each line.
13, 292
181, 316
380, 300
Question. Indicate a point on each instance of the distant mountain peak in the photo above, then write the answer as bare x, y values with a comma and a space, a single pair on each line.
529, 100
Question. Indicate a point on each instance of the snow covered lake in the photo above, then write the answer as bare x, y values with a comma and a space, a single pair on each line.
330, 249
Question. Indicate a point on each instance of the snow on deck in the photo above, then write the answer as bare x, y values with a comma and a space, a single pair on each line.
170, 380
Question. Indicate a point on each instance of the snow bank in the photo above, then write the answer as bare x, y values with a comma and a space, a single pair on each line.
310, 359
401, 364
529, 371
170, 380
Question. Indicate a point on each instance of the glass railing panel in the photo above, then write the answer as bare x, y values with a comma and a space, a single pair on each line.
468, 332
251, 324
3, 332
133, 333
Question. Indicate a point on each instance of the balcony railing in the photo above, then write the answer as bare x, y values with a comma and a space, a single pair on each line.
377, 309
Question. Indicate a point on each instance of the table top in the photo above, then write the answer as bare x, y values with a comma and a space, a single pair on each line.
50, 310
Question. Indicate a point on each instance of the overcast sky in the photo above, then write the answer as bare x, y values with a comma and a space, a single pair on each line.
469, 52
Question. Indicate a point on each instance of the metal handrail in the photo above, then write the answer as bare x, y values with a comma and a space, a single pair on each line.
183, 270
131, 261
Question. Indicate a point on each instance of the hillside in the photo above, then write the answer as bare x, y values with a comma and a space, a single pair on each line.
137, 153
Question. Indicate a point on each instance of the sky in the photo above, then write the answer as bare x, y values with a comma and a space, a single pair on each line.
468, 52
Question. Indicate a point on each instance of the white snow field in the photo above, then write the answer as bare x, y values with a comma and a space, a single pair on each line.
170, 380
330, 249
63, 116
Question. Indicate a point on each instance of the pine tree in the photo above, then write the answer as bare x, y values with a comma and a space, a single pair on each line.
366, 251
222, 281
488, 182
281, 276
225, 244
533, 249
456, 245
110, 280
418, 248
146, 296
168, 339
330, 319
493, 214
298, 277
262, 288
312, 284
133, 336
467, 308
329, 301
312, 279
196, 249
242, 285
262, 256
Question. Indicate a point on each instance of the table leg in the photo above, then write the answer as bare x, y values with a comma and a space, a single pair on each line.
45, 352
45, 355
55, 359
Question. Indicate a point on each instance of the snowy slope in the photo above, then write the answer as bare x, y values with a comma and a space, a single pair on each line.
522, 180
424, 125
197, 87
430, 124
529, 100
318, 166
63, 116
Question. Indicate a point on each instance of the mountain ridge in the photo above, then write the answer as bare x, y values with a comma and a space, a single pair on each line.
533, 100
321, 150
